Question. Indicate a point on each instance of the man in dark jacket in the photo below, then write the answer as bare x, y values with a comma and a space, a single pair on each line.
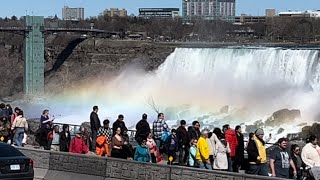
142, 129
119, 123
182, 134
194, 131
239, 159
95, 125
257, 155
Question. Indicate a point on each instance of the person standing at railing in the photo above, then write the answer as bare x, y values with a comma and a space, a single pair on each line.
311, 152
231, 138
159, 128
203, 151
65, 138
142, 129
257, 155
45, 120
119, 123
20, 126
105, 131
95, 125
280, 160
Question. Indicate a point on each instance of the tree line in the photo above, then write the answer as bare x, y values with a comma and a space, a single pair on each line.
284, 29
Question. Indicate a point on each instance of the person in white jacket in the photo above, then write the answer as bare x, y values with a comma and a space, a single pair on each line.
311, 152
212, 141
222, 148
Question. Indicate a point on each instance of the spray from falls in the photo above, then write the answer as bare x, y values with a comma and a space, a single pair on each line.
195, 83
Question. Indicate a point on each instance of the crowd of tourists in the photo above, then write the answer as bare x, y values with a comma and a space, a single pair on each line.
219, 149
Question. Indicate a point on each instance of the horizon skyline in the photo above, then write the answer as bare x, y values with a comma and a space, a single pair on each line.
95, 7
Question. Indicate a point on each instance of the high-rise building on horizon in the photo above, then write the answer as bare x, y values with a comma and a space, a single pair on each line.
75, 14
209, 9
115, 12
158, 12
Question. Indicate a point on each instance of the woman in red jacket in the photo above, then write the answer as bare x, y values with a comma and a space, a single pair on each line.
78, 145
231, 138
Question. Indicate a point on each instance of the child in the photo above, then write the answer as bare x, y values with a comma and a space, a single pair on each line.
142, 153
192, 154
172, 146
78, 144
152, 148
55, 144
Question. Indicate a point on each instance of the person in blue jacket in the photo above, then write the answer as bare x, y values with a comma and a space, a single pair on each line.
172, 146
142, 153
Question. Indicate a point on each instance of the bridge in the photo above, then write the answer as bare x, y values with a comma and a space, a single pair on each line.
33, 32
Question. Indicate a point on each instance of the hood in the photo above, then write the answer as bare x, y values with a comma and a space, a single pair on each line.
231, 132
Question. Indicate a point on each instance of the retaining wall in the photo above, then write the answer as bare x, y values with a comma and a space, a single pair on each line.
73, 166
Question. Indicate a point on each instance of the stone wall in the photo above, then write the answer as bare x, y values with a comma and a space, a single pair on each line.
65, 165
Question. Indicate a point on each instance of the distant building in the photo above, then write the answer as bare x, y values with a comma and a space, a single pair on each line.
158, 12
270, 12
245, 19
115, 12
309, 13
74, 14
209, 9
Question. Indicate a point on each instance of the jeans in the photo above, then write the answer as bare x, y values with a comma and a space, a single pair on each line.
258, 169
18, 136
183, 155
204, 165
158, 143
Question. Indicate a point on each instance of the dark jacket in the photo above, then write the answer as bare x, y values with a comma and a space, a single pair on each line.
295, 161
4, 113
240, 149
143, 130
193, 133
252, 150
5, 126
119, 124
175, 148
64, 141
94, 122
182, 135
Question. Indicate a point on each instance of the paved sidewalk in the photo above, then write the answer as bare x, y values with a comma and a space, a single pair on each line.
39, 173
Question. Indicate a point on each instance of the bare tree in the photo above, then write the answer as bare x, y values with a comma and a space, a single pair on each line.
152, 104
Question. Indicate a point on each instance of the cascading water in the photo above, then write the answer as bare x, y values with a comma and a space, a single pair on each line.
195, 83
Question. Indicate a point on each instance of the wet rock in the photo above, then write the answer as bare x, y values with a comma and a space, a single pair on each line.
310, 130
87, 126
34, 125
280, 130
302, 124
293, 136
254, 126
224, 109
282, 117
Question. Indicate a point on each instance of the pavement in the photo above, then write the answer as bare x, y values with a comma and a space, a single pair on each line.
39, 173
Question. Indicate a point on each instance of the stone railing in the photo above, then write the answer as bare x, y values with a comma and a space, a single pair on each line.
60, 165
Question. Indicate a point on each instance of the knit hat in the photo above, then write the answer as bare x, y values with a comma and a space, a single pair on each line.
259, 132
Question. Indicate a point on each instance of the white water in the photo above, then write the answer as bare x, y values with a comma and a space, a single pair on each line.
192, 83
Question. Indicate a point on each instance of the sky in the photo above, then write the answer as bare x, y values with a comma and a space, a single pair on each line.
94, 7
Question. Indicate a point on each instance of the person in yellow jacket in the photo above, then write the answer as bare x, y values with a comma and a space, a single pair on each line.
203, 151
257, 155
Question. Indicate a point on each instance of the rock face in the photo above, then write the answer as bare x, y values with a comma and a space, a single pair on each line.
224, 109
310, 130
70, 60
282, 117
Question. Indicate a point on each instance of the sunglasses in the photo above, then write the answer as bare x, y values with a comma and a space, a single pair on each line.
297, 150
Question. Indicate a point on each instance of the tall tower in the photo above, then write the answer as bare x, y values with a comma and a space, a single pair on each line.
33, 79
